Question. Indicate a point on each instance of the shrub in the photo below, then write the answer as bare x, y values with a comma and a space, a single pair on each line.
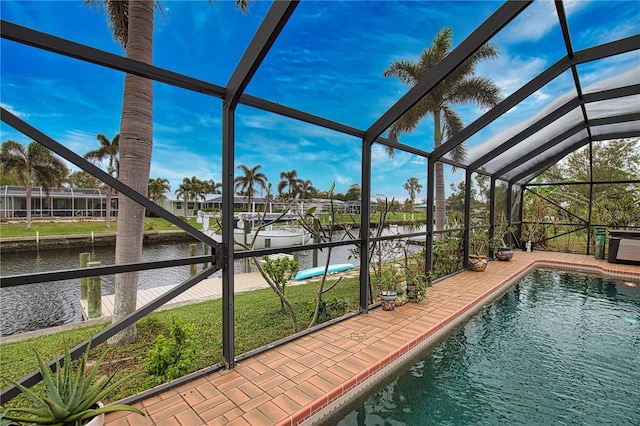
172, 357
330, 309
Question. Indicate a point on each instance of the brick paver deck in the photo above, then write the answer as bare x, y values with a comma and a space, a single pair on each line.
303, 379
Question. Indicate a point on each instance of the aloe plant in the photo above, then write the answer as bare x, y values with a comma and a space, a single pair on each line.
71, 397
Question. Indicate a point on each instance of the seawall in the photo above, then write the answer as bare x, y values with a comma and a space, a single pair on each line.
51, 242
85, 240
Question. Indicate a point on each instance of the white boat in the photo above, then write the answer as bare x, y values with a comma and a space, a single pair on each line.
270, 237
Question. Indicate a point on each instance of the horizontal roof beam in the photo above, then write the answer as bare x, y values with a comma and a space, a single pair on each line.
598, 52
565, 135
79, 51
535, 127
549, 118
541, 167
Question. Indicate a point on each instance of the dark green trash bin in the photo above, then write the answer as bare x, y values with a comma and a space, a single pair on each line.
601, 235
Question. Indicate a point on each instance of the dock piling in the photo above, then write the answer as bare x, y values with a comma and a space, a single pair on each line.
193, 251
84, 282
94, 293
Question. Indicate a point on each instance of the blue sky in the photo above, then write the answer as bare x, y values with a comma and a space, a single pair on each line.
328, 61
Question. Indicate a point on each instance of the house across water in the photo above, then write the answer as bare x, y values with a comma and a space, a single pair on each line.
58, 202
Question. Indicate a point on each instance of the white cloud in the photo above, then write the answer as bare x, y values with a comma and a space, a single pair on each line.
511, 72
532, 24
79, 141
9, 108
343, 180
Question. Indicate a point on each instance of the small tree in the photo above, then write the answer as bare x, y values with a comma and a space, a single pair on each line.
281, 269
324, 235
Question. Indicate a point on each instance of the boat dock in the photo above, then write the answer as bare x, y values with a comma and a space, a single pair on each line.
210, 288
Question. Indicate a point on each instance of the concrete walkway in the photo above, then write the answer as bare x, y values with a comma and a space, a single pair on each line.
210, 288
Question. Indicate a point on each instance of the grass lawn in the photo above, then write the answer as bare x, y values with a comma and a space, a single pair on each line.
69, 227
84, 226
258, 321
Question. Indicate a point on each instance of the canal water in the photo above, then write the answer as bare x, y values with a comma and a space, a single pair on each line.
37, 306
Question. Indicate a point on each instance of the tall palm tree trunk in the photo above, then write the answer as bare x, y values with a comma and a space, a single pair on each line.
439, 172
108, 207
186, 205
28, 204
136, 139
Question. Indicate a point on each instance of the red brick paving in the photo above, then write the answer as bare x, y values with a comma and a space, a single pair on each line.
289, 384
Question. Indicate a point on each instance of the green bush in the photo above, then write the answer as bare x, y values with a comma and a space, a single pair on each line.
330, 309
172, 357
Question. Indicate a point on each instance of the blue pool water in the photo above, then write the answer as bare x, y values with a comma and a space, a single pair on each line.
556, 349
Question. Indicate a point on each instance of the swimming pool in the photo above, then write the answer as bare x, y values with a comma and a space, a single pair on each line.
557, 348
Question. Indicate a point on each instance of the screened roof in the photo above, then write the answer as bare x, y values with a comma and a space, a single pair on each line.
599, 83
587, 54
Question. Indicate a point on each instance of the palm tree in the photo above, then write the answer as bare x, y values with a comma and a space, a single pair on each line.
109, 149
132, 25
157, 188
413, 186
252, 177
460, 87
211, 187
188, 190
33, 165
289, 180
306, 190
199, 190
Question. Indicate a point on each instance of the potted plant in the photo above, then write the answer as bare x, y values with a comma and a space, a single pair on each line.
416, 283
72, 398
387, 283
502, 250
479, 247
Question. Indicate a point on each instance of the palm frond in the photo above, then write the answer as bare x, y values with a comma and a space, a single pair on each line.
479, 90
406, 71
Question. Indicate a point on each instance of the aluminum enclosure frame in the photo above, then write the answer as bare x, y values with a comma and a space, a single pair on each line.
233, 94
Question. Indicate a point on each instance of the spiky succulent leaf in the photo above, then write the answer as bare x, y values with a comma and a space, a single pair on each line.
113, 386
72, 396
58, 411
98, 389
52, 389
38, 412
88, 414
32, 396
77, 390
30, 421
68, 377
94, 371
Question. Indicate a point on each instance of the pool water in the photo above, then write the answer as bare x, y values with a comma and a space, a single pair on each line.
557, 348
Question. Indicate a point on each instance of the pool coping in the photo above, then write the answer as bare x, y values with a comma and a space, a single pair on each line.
336, 399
